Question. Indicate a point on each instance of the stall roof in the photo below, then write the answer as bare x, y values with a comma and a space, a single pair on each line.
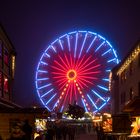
133, 106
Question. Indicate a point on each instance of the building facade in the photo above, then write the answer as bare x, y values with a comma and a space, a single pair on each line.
125, 81
7, 69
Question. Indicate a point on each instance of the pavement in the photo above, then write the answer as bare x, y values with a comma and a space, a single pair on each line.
87, 136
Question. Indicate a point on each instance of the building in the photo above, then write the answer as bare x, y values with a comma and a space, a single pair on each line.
7, 69
125, 92
125, 82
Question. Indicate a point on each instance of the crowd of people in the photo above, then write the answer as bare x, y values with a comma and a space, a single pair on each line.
57, 131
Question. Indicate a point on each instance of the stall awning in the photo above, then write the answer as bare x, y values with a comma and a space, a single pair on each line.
133, 106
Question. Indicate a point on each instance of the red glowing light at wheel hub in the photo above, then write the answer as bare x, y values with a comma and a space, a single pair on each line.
71, 75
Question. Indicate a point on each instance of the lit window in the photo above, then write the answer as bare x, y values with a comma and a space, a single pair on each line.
5, 84
6, 57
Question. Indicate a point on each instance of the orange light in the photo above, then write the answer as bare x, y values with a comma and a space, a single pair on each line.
62, 93
71, 75
67, 84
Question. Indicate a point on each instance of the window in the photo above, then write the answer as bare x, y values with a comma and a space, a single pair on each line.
6, 85
6, 57
123, 97
131, 93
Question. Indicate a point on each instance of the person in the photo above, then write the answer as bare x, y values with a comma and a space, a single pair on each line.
89, 128
27, 129
64, 131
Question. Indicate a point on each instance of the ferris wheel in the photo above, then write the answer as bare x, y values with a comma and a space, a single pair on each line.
75, 68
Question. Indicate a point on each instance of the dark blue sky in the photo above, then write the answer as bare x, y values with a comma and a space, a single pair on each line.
32, 25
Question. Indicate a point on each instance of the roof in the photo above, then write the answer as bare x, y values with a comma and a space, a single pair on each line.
4, 32
133, 106
116, 68
8, 104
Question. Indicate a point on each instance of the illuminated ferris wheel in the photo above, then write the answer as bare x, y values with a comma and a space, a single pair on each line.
75, 68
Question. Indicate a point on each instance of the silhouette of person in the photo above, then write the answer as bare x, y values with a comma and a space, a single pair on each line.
27, 129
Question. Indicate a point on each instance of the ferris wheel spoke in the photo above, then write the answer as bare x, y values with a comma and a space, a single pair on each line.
44, 63
87, 77
88, 64
102, 87
91, 44
98, 95
46, 54
79, 84
106, 52
92, 101
108, 70
53, 48
82, 83
102, 105
87, 81
59, 101
80, 66
82, 95
66, 65
60, 65
105, 79
76, 45
58, 77
42, 71
83, 45
84, 105
75, 92
91, 68
111, 60
42, 79
68, 40
47, 93
100, 46
59, 69
52, 97
58, 73
93, 72
79, 63
41, 87
66, 96
62, 85
70, 97
61, 44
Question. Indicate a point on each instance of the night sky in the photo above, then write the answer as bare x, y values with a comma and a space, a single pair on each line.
32, 25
